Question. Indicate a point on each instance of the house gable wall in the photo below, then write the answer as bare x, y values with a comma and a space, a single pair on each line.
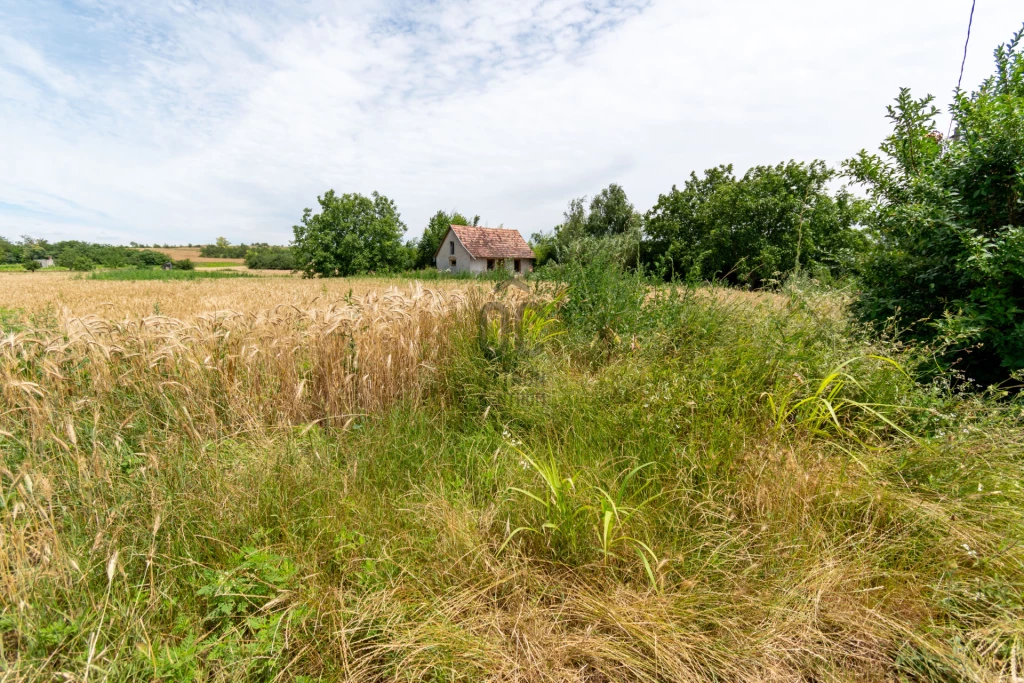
463, 261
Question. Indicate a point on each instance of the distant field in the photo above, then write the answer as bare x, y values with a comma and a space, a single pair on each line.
128, 274
192, 253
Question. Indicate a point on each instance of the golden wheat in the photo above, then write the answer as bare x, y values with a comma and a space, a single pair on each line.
312, 357
74, 295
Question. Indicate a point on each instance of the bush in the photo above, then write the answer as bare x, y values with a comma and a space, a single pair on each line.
31, 265
947, 221
81, 264
270, 258
604, 301
184, 264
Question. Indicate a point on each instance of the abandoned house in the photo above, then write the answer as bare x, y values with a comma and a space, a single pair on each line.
476, 250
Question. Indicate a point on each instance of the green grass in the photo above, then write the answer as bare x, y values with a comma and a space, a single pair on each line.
665, 490
159, 274
18, 268
217, 264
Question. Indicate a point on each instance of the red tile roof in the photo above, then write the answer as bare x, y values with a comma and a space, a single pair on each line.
491, 242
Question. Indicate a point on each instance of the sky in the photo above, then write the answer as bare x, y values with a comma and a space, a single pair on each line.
177, 121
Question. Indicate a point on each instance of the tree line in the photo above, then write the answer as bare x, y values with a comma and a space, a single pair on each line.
77, 255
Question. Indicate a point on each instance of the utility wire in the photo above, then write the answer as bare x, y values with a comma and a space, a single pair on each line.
967, 42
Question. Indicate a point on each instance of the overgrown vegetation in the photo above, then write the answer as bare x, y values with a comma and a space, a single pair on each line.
947, 255
570, 482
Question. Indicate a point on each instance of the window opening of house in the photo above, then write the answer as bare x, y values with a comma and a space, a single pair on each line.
452, 245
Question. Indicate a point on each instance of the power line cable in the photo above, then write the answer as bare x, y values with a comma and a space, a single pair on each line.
970, 22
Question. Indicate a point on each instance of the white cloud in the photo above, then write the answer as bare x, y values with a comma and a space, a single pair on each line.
180, 123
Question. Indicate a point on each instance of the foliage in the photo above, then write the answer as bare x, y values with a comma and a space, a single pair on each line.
610, 226
184, 264
611, 213
773, 221
437, 228
224, 249
66, 253
604, 302
948, 223
352, 234
31, 265
270, 258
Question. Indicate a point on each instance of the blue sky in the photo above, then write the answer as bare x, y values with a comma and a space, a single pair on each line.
180, 121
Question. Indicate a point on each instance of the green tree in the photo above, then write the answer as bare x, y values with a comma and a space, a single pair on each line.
773, 221
31, 265
351, 234
611, 213
222, 242
948, 255
609, 223
437, 228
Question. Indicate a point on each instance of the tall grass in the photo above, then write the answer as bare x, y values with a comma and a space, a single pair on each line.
427, 486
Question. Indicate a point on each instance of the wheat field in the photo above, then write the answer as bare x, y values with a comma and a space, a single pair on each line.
76, 295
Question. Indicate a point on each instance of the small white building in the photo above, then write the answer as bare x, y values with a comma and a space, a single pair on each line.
45, 262
476, 250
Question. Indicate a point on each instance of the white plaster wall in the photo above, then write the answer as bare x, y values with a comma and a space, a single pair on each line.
463, 261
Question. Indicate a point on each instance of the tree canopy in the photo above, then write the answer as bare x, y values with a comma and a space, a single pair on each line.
352, 234
773, 221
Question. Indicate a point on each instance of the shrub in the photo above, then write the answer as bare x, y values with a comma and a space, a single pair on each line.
947, 222
270, 258
81, 264
31, 265
184, 264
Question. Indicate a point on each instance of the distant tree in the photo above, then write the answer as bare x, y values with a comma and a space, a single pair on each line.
31, 265
437, 228
222, 242
351, 234
609, 224
184, 264
611, 213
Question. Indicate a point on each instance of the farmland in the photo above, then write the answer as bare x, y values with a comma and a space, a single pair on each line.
370, 479
192, 254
